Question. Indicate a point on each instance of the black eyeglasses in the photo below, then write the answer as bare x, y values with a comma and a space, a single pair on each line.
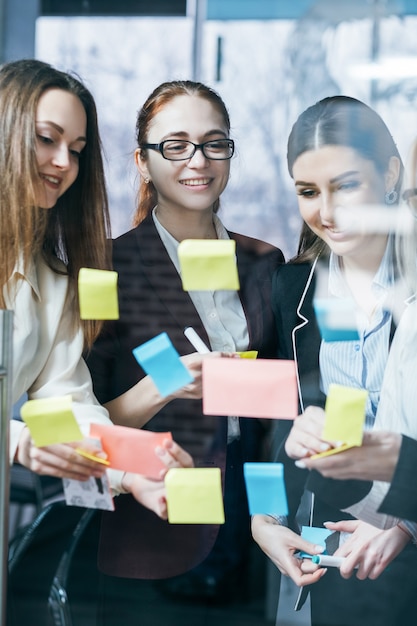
181, 150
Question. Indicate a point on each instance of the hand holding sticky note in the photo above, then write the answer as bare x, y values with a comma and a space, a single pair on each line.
265, 488
208, 264
320, 537
194, 495
162, 363
51, 420
97, 292
345, 417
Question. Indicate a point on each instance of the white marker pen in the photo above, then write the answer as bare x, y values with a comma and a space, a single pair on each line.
195, 340
327, 561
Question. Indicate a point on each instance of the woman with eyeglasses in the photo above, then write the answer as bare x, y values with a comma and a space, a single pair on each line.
183, 157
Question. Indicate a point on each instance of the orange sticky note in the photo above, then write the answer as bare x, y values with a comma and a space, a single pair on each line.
250, 388
51, 420
208, 264
97, 292
131, 449
194, 495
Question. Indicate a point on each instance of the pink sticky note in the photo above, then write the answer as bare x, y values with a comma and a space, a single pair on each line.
131, 449
250, 388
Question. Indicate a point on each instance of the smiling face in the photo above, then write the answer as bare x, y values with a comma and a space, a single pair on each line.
337, 176
196, 183
61, 126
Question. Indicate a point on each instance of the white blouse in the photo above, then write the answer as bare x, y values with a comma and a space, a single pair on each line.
47, 349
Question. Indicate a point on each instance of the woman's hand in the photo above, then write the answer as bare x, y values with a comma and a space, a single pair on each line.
141, 402
194, 363
173, 455
369, 549
60, 460
151, 493
375, 459
305, 435
280, 544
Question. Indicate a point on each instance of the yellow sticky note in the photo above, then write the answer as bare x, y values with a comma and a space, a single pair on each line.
92, 457
51, 420
97, 291
208, 264
194, 495
341, 448
248, 354
345, 414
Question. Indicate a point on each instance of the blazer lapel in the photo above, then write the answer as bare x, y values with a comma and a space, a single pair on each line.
306, 342
164, 279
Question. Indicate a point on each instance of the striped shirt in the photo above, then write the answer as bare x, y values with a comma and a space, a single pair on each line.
360, 363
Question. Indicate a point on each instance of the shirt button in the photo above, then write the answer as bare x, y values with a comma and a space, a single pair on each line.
357, 347
213, 314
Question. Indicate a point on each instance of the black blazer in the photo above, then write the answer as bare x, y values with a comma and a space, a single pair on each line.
134, 541
401, 499
381, 602
299, 339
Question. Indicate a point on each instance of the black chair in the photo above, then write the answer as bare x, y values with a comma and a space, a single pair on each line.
75, 585
34, 556
29, 494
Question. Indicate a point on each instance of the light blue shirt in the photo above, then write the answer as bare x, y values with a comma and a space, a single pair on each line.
360, 363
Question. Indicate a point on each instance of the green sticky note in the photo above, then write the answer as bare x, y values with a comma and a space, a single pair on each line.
51, 420
208, 264
194, 495
97, 291
345, 414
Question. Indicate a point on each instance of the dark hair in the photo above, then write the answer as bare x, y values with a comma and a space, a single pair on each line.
162, 95
76, 229
340, 121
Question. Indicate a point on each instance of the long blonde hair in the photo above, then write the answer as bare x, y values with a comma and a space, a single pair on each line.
77, 230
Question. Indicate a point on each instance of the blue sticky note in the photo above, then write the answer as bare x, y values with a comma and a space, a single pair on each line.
315, 535
161, 361
336, 319
265, 488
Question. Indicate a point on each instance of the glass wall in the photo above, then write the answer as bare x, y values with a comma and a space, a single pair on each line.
266, 70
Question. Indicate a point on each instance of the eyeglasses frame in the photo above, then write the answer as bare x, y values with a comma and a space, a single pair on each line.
159, 147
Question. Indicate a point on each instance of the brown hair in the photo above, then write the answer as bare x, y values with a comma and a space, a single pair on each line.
77, 228
162, 95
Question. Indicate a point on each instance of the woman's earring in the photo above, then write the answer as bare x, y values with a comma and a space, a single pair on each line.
146, 180
391, 196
